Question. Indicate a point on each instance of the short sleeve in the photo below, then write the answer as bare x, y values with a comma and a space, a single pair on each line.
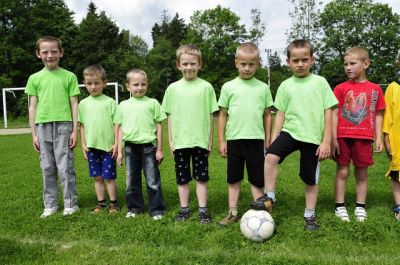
118, 115
159, 114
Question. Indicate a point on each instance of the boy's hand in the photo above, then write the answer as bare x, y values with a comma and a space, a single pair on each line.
172, 149
84, 151
335, 148
119, 159
159, 156
36, 145
72, 139
114, 151
378, 145
223, 149
323, 151
387, 146
210, 146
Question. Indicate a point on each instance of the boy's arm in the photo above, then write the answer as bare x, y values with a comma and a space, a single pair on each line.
267, 117
279, 120
222, 117
118, 135
159, 151
74, 109
114, 148
211, 138
324, 149
387, 145
170, 142
378, 131
334, 143
32, 114
83, 141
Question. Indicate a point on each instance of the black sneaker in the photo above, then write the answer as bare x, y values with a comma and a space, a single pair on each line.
205, 218
263, 203
182, 216
310, 223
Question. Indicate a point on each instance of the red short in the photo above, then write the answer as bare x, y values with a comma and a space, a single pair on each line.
358, 150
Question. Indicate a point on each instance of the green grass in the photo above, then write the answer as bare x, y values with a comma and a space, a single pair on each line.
15, 122
103, 239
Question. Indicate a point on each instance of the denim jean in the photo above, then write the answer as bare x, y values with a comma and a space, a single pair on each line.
138, 157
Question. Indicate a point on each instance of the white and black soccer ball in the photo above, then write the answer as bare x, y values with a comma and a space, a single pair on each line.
257, 225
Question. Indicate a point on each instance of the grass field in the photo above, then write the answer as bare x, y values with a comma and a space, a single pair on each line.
84, 238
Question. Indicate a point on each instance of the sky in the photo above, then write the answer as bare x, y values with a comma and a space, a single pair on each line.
139, 16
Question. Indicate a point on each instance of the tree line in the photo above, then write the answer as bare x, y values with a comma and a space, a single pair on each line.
217, 31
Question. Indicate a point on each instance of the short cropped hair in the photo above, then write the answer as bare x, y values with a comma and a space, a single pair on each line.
48, 39
95, 69
359, 51
300, 43
189, 49
249, 48
133, 71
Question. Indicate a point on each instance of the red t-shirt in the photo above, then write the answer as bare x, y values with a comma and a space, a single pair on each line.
358, 104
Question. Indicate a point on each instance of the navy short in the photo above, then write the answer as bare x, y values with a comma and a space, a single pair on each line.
199, 163
249, 152
285, 144
101, 164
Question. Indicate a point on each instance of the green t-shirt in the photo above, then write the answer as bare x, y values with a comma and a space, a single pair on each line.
97, 114
190, 105
304, 100
246, 101
53, 90
138, 118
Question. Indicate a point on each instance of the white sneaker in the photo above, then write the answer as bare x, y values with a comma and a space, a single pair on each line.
130, 215
341, 212
69, 211
360, 214
49, 211
157, 217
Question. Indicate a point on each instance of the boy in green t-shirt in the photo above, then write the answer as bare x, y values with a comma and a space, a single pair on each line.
302, 122
190, 104
139, 122
245, 118
99, 143
53, 111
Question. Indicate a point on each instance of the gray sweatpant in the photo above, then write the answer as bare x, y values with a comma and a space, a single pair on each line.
57, 159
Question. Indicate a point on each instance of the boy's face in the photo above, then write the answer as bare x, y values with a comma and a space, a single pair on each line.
355, 67
189, 66
94, 85
247, 64
137, 85
50, 54
300, 61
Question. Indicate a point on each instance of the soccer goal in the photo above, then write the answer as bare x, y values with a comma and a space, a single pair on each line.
12, 90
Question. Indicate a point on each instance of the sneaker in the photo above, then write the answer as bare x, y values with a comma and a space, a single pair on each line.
69, 211
341, 212
263, 203
132, 214
229, 219
49, 211
98, 209
310, 223
157, 217
360, 214
205, 218
182, 216
396, 211
113, 208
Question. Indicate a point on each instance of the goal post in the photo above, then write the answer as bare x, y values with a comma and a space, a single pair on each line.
12, 89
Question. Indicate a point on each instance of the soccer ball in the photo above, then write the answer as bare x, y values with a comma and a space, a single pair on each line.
257, 225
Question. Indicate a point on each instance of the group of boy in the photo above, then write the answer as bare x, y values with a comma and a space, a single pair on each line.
310, 118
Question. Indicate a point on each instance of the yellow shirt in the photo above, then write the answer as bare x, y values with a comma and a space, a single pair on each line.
391, 123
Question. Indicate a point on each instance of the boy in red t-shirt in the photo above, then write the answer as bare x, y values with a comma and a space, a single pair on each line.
356, 121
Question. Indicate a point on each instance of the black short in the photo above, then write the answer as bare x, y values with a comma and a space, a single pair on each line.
394, 175
285, 144
247, 151
199, 163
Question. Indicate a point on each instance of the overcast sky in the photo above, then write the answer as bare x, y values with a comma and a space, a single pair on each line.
139, 16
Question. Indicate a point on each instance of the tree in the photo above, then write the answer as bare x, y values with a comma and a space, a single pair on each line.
174, 30
344, 24
257, 29
304, 16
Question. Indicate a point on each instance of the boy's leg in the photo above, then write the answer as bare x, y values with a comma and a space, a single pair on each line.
362, 184
396, 193
342, 173
65, 163
183, 192
201, 191
48, 166
183, 177
153, 182
112, 189
311, 196
134, 196
99, 188
256, 192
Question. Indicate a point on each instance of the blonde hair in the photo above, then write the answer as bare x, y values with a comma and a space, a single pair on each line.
249, 48
48, 39
189, 49
95, 69
132, 72
300, 43
359, 51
